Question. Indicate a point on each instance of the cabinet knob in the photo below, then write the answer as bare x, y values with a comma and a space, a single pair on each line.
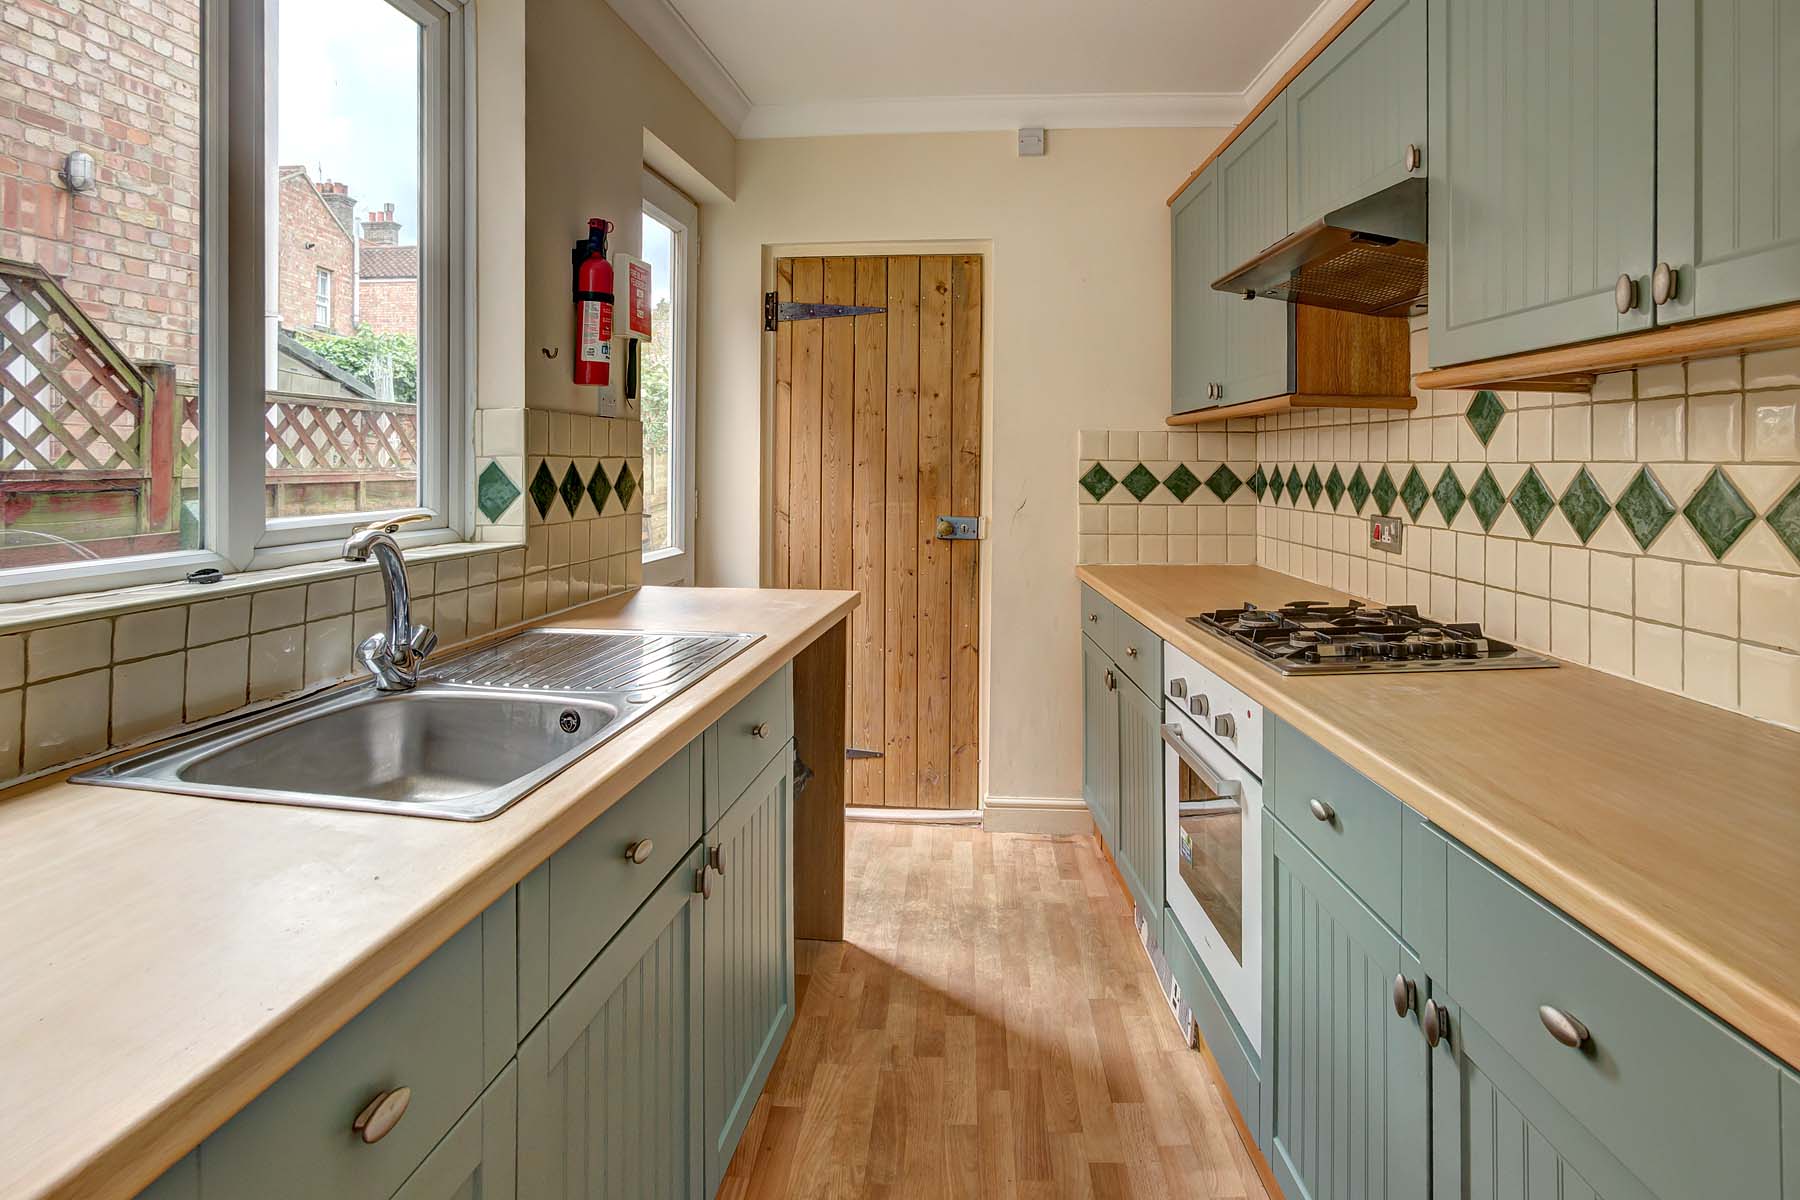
639, 852
1412, 158
760, 729
1093, 618
1436, 1020
1112, 685
1625, 294
380, 1115
1563, 1026
1321, 810
703, 883
1131, 652
715, 858
1406, 995
1665, 281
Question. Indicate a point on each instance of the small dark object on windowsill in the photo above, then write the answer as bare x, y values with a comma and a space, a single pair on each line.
205, 575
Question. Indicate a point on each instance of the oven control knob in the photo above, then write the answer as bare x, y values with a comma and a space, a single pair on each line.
1201, 705
1178, 688
1225, 727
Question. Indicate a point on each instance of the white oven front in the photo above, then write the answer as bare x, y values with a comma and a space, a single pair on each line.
1213, 836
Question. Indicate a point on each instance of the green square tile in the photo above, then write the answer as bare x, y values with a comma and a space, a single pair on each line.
1293, 485
625, 485
1334, 485
1098, 481
1719, 513
1358, 487
1384, 492
1784, 519
1532, 500
599, 488
1487, 499
1182, 482
1645, 507
1584, 504
1314, 485
1139, 481
1259, 483
1449, 495
1413, 493
543, 489
571, 489
1223, 482
495, 491
1484, 414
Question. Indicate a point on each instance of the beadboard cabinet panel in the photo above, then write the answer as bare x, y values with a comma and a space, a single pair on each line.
1099, 741
1355, 110
477, 1160
1728, 164
1543, 171
1197, 333
1259, 344
1139, 851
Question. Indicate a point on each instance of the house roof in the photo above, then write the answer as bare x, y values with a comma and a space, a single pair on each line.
389, 262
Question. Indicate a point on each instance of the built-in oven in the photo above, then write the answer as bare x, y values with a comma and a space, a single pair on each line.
1212, 789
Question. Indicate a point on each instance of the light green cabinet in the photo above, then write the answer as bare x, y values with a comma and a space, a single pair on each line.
749, 955
1344, 1081
1543, 172
1139, 849
1728, 154
1100, 739
477, 1160
1356, 111
1197, 313
1253, 215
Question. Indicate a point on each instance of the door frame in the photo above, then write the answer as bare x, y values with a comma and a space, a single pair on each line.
982, 248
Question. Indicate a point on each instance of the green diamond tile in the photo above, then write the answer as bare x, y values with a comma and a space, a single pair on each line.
1384, 492
1293, 485
1314, 485
1484, 414
495, 491
1139, 481
1449, 495
1413, 493
1645, 507
1259, 483
1277, 485
1223, 482
1532, 500
1334, 485
543, 489
1719, 513
1098, 481
1487, 499
599, 488
571, 489
625, 485
1584, 504
1358, 488
1182, 482
1784, 519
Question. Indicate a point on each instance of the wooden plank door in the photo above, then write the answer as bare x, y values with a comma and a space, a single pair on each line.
877, 433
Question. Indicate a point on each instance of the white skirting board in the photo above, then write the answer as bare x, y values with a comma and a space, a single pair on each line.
915, 816
1036, 814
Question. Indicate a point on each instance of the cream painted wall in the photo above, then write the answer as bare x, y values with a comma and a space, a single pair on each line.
592, 91
1078, 331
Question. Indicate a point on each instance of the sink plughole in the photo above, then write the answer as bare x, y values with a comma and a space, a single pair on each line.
479, 731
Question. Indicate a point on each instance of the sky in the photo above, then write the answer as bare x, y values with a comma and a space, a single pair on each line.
348, 101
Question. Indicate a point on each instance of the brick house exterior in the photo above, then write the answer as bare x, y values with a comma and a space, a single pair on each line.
387, 276
120, 80
313, 239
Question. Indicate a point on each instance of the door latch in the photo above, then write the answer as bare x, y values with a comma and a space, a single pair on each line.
959, 529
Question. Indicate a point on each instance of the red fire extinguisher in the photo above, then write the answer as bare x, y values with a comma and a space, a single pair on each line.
593, 306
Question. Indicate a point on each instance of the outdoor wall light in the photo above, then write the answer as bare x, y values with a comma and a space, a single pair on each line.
77, 172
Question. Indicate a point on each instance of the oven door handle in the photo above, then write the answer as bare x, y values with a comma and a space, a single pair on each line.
1225, 789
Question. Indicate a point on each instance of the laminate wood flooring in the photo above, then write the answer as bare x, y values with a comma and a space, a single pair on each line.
989, 1027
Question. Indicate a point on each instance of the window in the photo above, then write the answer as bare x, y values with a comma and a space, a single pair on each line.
670, 239
142, 434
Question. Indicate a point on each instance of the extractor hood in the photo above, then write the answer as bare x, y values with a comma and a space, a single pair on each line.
1366, 257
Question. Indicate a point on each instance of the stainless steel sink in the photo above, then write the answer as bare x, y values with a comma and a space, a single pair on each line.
478, 732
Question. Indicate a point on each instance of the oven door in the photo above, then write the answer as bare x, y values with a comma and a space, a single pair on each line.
1213, 879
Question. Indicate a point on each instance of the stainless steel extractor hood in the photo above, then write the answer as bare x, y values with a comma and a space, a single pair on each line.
1366, 257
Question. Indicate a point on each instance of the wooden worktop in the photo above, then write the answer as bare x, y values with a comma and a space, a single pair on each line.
1669, 828
168, 957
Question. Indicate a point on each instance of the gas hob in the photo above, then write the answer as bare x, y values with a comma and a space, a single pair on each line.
1309, 637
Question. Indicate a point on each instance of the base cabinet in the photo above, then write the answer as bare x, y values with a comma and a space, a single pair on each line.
1139, 849
477, 1159
1100, 739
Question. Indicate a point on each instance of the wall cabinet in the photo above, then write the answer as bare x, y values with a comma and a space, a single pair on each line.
1253, 215
1197, 312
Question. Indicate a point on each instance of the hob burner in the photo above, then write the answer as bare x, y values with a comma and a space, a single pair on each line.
1318, 637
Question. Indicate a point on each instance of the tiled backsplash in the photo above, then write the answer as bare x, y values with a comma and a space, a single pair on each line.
1167, 496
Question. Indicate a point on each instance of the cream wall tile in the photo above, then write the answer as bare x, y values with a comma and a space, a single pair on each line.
328, 649
1534, 434
1710, 668
1656, 589
146, 696
1610, 582
1769, 685
277, 662
1664, 379
1502, 562
66, 649
1534, 568
1569, 574
509, 603
1615, 431
1572, 435
1710, 599
1656, 657
1772, 368
1610, 640
1770, 608
152, 631
65, 719
12, 730
421, 579
1569, 631
220, 620
1715, 428
12, 660
217, 678
1661, 431
330, 598
484, 568
1715, 375
1617, 385
480, 617
287, 606
1772, 426
1532, 622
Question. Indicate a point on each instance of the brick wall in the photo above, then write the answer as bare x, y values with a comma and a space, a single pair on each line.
391, 305
311, 238
120, 80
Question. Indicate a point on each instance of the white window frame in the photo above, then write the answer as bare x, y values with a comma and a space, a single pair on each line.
322, 297
675, 565
238, 326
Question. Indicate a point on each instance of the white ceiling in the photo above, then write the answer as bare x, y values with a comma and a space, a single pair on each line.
791, 68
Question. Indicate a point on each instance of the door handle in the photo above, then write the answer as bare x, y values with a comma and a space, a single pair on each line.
1564, 1027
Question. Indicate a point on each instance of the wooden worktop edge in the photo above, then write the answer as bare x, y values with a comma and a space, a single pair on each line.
1768, 1018
118, 1170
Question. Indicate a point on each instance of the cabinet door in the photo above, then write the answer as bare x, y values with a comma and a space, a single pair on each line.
1140, 847
749, 956
609, 1096
477, 1159
1728, 154
1543, 172
1253, 216
1100, 740
1344, 1077
1196, 338
1356, 109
